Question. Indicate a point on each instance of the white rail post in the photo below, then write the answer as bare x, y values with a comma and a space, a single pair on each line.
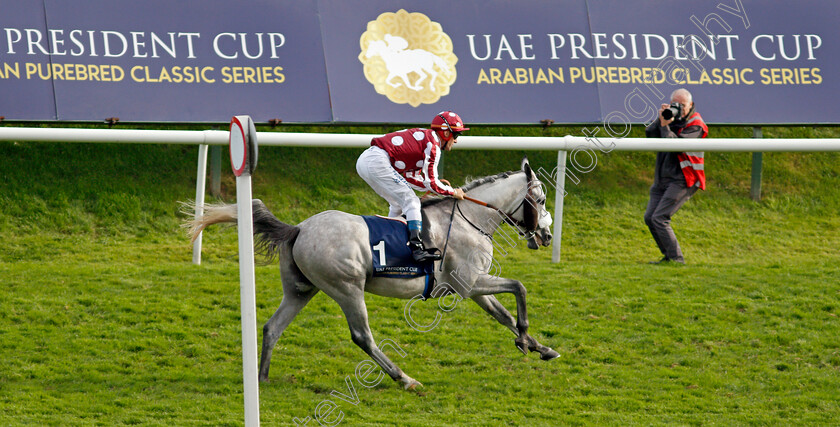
216, 170
200, 184
559, 193
243, 158
755, 179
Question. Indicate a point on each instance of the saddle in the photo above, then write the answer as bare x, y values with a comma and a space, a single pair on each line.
391, 256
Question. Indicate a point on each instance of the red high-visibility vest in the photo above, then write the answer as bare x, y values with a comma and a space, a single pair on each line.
691, 162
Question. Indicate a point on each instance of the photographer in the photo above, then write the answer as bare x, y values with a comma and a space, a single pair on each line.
677, 175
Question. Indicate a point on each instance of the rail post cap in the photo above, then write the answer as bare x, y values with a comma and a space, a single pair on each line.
243, 145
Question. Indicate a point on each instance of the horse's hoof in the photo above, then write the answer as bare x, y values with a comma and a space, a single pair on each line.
412, 385
522, 347
549, 354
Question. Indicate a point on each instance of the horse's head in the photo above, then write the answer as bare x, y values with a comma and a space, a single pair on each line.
536, 219
518, 199
374, 48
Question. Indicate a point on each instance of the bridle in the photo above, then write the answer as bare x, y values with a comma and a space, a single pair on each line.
527, 227
529, 223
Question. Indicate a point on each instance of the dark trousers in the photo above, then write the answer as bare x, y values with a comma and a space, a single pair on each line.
665, 200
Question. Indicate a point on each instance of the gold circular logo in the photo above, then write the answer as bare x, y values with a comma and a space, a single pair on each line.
408, 58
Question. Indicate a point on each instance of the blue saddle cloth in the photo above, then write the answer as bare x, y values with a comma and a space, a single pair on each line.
391, 256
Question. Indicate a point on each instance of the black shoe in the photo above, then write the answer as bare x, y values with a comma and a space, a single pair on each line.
423, 255
661, 261
418, 252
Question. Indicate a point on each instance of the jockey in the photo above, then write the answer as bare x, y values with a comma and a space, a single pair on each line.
401, 162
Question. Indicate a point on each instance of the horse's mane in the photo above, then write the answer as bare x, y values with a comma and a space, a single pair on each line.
433, 200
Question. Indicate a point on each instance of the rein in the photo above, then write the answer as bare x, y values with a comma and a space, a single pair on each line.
510, 220
445, 245
529, 224
484, 233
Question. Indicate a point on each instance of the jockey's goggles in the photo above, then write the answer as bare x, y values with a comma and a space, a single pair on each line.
455, 133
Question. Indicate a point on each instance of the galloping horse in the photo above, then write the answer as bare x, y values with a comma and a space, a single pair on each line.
400, 61
330, 252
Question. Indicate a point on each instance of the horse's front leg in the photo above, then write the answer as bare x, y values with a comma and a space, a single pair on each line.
482, 293
391, 77
493, 307
422, 77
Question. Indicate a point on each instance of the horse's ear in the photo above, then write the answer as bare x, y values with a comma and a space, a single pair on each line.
526, 166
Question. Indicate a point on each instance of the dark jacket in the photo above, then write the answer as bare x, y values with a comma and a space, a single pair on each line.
668, 169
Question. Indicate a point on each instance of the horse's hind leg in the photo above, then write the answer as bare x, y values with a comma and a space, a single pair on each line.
289, 308
356, 312
297, 292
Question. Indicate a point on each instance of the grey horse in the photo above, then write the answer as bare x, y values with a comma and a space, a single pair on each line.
330, 252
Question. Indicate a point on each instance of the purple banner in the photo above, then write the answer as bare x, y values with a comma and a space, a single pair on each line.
20, 97
163, 61
401, 61
483, 45
746, 62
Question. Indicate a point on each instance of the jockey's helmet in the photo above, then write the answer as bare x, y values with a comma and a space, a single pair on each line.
447, 120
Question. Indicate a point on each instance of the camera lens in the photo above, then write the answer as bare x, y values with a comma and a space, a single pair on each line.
670, 113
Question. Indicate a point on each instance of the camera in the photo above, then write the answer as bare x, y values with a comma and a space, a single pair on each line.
674, 111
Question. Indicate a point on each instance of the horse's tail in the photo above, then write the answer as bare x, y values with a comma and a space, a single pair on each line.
214, 213
270, 232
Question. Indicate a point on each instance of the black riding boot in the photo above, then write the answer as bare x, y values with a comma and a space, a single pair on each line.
420, 253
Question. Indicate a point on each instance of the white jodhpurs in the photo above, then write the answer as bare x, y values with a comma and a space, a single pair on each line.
374, 166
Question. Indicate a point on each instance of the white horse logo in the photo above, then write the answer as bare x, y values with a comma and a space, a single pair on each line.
400, 61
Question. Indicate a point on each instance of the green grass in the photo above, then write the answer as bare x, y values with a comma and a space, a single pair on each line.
104, 320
